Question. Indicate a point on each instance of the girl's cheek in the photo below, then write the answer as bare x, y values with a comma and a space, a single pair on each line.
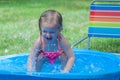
54, 37
44, 35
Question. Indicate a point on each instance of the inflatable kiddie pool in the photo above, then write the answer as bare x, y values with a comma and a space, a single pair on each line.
89, 65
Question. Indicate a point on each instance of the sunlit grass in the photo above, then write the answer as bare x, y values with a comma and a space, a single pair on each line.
19, 24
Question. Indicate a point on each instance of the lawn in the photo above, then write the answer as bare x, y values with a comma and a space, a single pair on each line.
19, 24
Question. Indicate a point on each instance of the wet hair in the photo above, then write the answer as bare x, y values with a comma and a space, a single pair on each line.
50, 17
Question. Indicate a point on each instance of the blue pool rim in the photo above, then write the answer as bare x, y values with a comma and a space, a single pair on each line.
61, 76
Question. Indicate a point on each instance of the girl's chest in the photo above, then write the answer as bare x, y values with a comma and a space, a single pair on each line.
51, 47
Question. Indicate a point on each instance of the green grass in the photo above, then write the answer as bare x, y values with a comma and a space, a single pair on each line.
19, 24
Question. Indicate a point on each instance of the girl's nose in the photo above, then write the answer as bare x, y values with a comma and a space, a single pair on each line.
48, 35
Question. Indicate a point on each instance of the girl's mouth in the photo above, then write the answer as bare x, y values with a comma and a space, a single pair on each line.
48, 38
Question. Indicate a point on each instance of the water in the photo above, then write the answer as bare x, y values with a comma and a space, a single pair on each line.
85, 64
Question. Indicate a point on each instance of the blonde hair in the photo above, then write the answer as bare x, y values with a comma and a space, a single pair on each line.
50, 18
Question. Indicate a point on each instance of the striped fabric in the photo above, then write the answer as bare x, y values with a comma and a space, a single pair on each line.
104, 20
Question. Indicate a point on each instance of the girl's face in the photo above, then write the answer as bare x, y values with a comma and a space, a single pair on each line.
50, 33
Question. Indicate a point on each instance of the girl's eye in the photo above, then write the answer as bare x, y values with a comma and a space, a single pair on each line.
45, 31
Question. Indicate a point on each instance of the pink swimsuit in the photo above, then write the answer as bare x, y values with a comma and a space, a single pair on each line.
52, 55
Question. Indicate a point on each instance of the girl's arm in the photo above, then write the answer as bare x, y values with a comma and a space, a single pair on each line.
31, 57
70, 55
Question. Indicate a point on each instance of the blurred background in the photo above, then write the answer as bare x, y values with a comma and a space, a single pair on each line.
19, 24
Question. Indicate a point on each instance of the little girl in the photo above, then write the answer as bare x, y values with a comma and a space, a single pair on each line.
50, 44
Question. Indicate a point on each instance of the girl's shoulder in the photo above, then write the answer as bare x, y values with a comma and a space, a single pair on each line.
63, 39
38, 42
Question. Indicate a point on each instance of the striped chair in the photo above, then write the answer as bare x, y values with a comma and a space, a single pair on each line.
104, 21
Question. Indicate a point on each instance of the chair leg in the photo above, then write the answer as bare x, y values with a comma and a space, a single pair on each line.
79, 41
88, 44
